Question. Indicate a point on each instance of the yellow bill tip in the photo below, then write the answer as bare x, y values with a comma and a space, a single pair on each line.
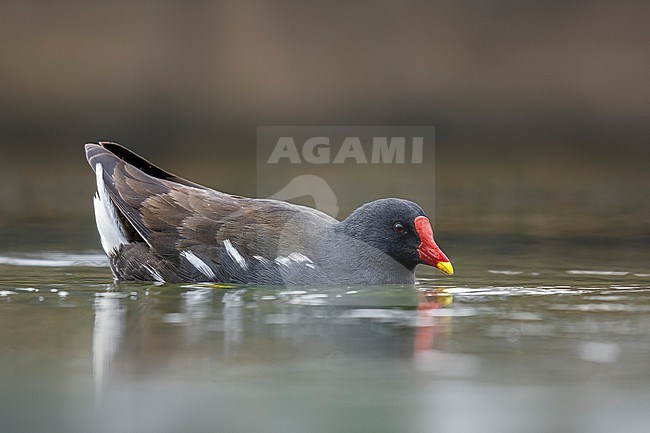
445, 267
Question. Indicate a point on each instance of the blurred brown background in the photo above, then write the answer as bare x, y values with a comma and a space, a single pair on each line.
542, 109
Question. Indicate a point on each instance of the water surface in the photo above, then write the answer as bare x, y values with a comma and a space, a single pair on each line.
530, 335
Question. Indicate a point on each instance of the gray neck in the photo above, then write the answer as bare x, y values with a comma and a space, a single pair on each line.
353, 261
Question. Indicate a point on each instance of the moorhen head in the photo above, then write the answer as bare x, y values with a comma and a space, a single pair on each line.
398, 228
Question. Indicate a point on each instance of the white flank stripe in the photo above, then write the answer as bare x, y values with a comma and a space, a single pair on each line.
199, 264
283, 261
108, 224
301, 258
262, 259
154, 273
234, 254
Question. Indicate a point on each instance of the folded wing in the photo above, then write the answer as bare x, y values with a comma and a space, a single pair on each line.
191, 231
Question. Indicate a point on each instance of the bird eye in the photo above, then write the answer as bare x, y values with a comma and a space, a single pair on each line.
399, 228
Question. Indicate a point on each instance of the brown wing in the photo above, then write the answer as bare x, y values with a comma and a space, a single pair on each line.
172, 214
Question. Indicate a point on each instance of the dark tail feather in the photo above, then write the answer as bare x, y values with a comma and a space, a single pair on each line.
98, 152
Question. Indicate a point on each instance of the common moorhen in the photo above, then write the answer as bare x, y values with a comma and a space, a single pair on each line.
156, 226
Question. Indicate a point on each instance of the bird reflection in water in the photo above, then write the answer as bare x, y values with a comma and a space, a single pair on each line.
432, 352
107, 335
429, 324
199, 331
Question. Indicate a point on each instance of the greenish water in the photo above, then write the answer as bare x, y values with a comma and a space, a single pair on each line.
530, 335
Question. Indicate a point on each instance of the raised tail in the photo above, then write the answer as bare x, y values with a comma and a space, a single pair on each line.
108, 153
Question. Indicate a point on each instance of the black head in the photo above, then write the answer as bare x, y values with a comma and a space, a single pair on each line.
399, 228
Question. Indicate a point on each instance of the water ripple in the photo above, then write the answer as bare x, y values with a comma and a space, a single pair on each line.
56, 260
589, 272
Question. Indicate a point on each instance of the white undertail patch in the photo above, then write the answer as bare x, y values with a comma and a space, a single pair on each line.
199, 264
108, 224
234, 254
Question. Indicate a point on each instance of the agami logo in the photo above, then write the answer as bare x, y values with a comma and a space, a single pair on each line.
324, 150
332, 167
